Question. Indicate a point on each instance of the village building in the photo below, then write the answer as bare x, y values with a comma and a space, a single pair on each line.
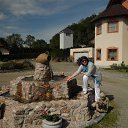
66, 38
111, 34
76, 53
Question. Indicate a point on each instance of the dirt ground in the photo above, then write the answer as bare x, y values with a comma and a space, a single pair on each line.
115, 84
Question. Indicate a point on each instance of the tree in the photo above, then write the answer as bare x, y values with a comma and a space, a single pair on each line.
14, 41
39, 44
83, 33
54, 42
30, 40
3, 42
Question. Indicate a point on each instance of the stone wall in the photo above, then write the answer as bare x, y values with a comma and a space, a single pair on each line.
18, 115
25, 89
42, 72
68, 101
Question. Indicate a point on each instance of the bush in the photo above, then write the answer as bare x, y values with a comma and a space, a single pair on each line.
7, 65
114, 66
27, 64
121, 67
53, 118
11, 65
60, 54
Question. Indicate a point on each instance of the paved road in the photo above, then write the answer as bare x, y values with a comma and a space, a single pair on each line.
114, 84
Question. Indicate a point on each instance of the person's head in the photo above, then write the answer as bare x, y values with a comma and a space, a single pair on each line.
84, 60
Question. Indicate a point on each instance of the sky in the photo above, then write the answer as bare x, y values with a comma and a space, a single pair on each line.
44, 18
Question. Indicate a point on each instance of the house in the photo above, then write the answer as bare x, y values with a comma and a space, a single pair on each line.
3, 47
76, 53
66, 41
66, 38
111, 34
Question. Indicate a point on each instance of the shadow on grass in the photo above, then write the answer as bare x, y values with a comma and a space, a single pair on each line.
110, 97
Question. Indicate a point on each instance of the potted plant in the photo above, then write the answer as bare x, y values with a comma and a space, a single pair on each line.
51, 120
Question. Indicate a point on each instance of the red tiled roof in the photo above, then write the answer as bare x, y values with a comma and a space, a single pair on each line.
116, 10
113, 2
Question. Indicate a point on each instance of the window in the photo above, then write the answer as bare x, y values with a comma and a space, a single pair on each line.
112, 54
112, 26
98, 54
98, 29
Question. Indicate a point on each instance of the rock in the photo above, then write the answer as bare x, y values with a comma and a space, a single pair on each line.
42, 72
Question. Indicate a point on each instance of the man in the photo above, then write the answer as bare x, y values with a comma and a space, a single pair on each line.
89, 70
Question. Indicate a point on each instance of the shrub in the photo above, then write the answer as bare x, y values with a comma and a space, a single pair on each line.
52, 118
60, 54
46, 114
10, 65
70, 58
114, 66
27, 64
121, 67
7, 65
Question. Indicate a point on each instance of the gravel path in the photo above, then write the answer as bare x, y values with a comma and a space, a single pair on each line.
114, 84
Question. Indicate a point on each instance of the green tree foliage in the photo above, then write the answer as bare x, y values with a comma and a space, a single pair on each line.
20, 49
60, 54
14, 41
54, 42
30, 40
83, 33
4, 43
39, 44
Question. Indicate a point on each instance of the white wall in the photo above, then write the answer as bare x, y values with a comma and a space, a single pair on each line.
84, 51
66, 41
125, 42
106, 40
77, 55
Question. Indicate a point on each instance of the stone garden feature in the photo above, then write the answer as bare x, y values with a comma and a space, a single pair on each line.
35, 87
30, 95
43, 70
42, 86
65, 99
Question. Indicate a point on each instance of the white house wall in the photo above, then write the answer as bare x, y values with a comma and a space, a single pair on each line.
106, 40
66, 41
88, 51
62, 41
125, 42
